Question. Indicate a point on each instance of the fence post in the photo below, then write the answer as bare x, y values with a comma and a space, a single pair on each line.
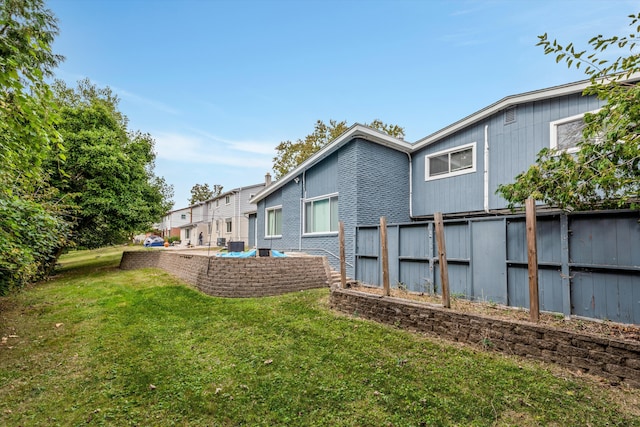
385, 256
343, 262
442, 259
532, 255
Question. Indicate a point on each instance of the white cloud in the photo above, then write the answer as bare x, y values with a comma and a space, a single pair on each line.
193, 149
156, 105
256, 147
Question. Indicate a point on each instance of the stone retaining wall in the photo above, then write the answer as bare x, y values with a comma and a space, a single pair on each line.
618, 361
235, 277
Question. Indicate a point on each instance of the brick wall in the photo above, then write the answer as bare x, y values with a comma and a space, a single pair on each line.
618, 361
235, 277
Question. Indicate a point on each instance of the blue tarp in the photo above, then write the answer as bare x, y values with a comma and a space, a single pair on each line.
249, 254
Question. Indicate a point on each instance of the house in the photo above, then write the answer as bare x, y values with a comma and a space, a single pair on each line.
220, 220
364, 174
171, 222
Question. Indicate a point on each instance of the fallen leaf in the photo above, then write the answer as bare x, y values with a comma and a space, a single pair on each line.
268, 361
59, 324
152, 387
218, 390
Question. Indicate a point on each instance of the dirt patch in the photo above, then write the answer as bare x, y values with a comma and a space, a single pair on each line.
604, 329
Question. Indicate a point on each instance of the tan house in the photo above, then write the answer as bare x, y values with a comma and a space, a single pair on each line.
223, 219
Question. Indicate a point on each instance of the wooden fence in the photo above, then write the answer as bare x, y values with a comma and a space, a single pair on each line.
588, 263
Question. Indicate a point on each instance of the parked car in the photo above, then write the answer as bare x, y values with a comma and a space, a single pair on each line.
153, 241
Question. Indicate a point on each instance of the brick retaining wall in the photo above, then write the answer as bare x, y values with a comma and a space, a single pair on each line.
618, 361
235, 277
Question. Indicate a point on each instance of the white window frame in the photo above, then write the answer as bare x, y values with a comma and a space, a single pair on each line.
553, 130
227, 199
228, 224
183, 216
304, 215
450, 151
266, 221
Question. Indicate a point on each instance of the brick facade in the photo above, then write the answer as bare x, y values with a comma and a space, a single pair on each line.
235, 277
618, 361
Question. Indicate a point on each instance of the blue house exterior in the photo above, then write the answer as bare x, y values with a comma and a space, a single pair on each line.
365, 174
362, 175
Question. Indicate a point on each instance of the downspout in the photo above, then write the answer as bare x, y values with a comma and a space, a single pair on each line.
410, 186
486, 168
238, 196
304, 195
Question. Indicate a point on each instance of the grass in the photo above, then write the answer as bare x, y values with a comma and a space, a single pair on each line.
100, 346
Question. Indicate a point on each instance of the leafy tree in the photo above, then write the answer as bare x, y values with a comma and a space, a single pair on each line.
27, 30
32, 228
291, 154
605, 172
108, 174
201, 193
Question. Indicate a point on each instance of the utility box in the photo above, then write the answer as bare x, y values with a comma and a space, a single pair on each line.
236, 246
221, 242
264, 252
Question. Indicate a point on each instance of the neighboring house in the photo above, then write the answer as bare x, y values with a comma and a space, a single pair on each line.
364, 174
223, 218
172, 222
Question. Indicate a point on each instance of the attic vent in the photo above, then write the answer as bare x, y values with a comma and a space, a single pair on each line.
509, 115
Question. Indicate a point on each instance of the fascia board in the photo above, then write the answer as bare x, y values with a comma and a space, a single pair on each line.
355, 131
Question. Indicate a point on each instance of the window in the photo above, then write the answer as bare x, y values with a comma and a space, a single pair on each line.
217, 202
227, 200
274, 221
187, 233
457, 161
209, 227
228, 223
321, 215
183, 216
567, 133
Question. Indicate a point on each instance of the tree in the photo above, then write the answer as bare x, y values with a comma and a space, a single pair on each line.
32, 228
108, 175
291, 154
27, 30
201, 193
605, 172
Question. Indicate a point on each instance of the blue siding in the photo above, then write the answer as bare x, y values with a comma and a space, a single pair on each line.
322, 178
513, 148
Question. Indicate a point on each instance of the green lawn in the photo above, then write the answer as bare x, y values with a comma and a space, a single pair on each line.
100, 346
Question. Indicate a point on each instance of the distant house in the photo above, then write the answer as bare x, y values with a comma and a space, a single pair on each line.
221, 219
172, 221
364, 174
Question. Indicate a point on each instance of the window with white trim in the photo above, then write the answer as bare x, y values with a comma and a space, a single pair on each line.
565, 134
274, 221
321, 215
227, 200
183, 216
452, 162
228, 224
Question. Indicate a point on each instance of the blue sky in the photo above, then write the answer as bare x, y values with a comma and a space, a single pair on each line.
219, 84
